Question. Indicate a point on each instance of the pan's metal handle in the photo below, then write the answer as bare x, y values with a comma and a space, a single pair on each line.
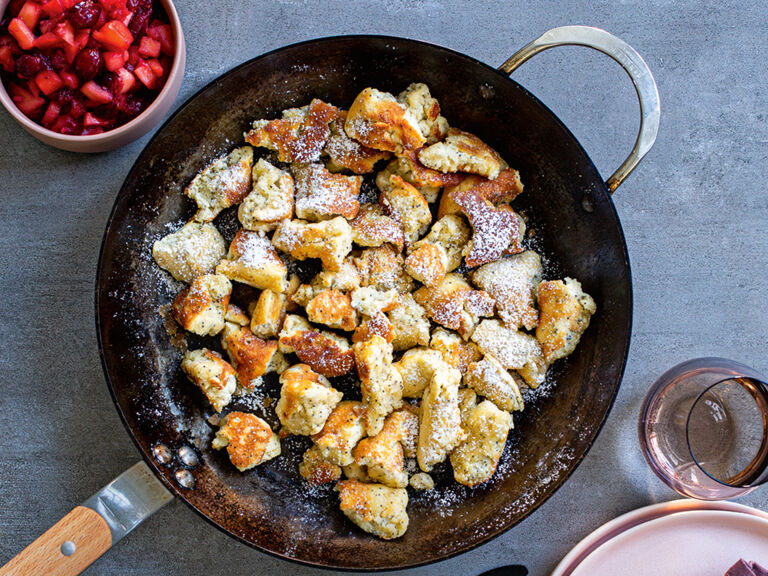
630, 60
75, 541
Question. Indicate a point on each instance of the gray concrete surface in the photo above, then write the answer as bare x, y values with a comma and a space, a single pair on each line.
694, 215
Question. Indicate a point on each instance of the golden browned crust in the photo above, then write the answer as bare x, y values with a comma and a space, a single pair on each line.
324, 354
248, 437
268, 314
346, 153
383, 267
462, 152
223, 183
330, 240
565, 315
378, 324
201, 307
321, 195
334, 309
372, 228
405, 204
253, 260
444, 303
250, 355
427, 264
412, 170
237, 316
377, 120
316, 470
454, 350
342, 431
299, 136
494, 228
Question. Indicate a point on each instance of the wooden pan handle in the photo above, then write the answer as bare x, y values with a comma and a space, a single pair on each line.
66, 549
75, 541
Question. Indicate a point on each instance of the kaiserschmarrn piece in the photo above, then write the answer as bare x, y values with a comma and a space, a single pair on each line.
370, 300
371, 228
416, 367
513, 349
343, 429
383, 267
346, 153
405, 204
454, 350
306, 400
494, 229
503, 189
426, 109
513, 282
212, 374
321, 195
201, 307
565, 313
346, 278
474, 461
252, 260
440, 428
380, 382
378, 324
299, 136
332, 308
383, 454
267, 314
251, 356
235, 315
490, 379
444, 303
248, 439
427, 264
428, 181
422, 481
330, 240
378, 120
271, 199
462, 152
222, 184
410, 326
191, 251
316, 470
325, 352
377, 509
452, 234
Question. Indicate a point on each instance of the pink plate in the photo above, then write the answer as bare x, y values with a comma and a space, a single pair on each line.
680, 537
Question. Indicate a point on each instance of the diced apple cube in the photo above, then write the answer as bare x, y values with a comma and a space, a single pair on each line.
48, 81
30, 14
21, 32
96, 93
149, 47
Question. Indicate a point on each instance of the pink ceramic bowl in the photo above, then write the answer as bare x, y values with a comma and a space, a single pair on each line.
126, 133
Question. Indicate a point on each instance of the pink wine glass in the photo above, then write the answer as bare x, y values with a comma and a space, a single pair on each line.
704, 428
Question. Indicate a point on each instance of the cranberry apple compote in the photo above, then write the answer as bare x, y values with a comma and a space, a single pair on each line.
84, 67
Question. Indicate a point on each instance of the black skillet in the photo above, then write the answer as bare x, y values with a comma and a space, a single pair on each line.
270, 507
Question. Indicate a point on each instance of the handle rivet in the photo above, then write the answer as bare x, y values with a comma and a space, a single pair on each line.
162, 454
68, 548
185, 478
188, 456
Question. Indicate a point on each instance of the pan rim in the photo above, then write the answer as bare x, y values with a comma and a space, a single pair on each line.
159, 471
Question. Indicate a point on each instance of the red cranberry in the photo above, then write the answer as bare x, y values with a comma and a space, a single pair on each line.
106, 111
45, 61
138, 24
27, 65
134, 105
88, 63
58, 60
84, 14
133, 5
65, 95
77, 107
